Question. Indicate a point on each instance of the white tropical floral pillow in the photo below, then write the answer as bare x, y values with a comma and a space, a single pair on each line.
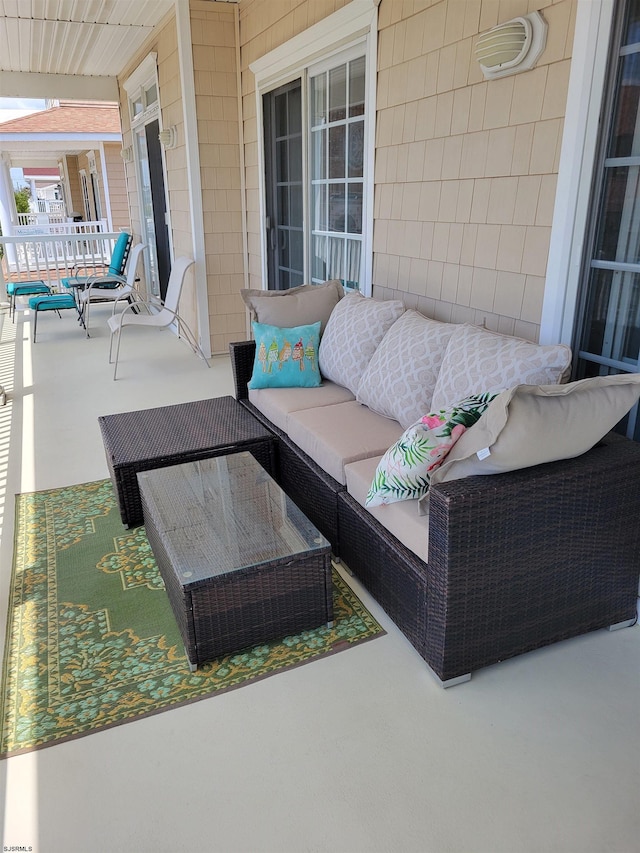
404, 472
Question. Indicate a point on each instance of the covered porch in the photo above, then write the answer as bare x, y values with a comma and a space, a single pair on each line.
358, 752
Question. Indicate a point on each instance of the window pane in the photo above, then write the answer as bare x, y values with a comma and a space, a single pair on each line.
319, 154
619, 225
354, 256
624, 139
283, 245
356, 149
295, 158
295, 202
282, 161
338, 93
356, 87
337, 158
280, 108
632, 24
612, 321
136, 106
335, 258
338, 169
151, 95
354, 208
337, 207
319, 207
295, 110
283, 278
319, 259
283, 205
318, 100
296, 254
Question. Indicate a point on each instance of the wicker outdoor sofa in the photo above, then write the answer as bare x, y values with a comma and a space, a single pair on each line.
515, 561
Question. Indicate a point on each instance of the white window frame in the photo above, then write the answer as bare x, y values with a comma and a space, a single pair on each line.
138, 84
95, 185
587, 79
84, 188
141, 81
354, 24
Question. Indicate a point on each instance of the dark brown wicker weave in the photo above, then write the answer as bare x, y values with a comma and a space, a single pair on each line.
240, 562
516, 561
170, 435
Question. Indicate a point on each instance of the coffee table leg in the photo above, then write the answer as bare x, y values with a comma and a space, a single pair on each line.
192, 666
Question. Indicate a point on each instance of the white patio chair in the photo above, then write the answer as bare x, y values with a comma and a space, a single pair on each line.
160, 315
95, 292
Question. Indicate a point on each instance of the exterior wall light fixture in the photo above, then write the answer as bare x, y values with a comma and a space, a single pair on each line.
512, 47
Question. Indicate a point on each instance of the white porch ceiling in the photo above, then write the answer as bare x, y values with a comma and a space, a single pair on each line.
87, 38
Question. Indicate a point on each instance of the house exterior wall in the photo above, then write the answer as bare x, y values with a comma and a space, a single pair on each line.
117, 187
165, 44
465, 169
216, 91
73, 177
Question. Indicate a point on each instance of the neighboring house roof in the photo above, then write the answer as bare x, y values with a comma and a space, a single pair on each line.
67, 119
45, 172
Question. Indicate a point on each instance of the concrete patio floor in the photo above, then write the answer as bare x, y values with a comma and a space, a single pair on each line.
360, 752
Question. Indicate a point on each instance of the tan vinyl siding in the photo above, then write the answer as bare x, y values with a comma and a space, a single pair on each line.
466, 169
165, 45
73, 174
216, 90
117, 188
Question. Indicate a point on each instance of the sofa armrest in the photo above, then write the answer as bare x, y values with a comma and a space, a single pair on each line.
242, 357
520, 560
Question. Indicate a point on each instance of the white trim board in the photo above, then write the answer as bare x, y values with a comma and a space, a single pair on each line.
577, 160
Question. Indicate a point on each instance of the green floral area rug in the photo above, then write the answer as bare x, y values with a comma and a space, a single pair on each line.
91, 637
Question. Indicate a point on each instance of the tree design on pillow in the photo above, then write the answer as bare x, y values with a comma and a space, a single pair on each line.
404, 472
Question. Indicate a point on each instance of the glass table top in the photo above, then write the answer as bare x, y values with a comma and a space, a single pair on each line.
223, 515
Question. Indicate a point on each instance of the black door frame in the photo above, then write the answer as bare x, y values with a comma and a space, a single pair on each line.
159, 204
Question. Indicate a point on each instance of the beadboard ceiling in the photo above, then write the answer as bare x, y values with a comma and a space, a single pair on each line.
80, 37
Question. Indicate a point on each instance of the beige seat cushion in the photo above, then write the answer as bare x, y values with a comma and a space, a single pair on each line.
400, 379
401, 519
298, 306
478, 361
335, 435
277, 403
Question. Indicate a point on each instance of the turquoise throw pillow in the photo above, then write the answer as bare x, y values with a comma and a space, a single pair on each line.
286, 358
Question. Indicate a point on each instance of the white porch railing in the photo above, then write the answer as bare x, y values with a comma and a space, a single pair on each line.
37, 218
50, 257
51, 206
62, 227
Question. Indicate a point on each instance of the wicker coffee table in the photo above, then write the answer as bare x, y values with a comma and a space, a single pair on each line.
169, 435
241, 564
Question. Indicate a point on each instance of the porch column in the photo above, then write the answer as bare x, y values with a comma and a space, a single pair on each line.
7, 207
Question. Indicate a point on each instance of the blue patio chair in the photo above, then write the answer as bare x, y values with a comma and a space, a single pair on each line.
113, 276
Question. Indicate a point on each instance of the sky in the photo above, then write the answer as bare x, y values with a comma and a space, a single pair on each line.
17, 107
